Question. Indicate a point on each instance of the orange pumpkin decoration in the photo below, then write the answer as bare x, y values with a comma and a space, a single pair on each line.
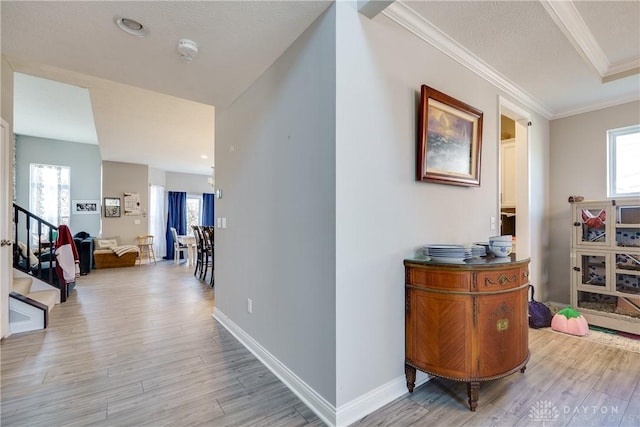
569, 321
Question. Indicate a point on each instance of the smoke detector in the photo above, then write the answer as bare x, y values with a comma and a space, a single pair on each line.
187, 49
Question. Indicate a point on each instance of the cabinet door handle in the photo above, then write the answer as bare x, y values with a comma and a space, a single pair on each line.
576, 224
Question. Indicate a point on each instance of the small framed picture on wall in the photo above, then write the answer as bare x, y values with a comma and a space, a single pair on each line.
85, 207
111, 207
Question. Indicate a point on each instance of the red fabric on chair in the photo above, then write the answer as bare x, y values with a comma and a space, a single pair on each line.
67, 259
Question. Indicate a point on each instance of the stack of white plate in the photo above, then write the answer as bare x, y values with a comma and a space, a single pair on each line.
453, 253
478, 250
448, 253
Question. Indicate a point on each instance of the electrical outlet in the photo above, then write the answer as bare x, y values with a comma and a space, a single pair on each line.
249, 306
492, 223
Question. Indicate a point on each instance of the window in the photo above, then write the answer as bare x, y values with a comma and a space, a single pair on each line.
50, 193
194, 212
624, 157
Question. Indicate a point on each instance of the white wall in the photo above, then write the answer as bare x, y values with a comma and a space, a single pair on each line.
157, 177
275, 163
6, 104
383, 215
84, 163
276, 151
191, 183
578, 166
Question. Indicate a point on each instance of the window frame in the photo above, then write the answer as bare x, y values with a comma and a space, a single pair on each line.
612, 168
32, 206
199, 199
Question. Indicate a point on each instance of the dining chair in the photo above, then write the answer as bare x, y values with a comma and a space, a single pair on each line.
207, 237
210, 231
178, 247
145, 244
199, 249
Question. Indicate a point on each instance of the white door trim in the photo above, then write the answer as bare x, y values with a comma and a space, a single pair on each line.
523, 176
6, 272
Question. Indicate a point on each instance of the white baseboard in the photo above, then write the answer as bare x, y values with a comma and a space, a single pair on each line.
343, 416
318, 404
375, 399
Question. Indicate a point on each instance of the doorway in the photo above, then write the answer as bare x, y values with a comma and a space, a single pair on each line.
508, 211
514, 176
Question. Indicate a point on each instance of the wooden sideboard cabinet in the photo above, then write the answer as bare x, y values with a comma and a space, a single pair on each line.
466, 321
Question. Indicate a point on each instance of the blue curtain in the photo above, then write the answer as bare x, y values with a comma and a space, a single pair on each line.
208, 216
176, 218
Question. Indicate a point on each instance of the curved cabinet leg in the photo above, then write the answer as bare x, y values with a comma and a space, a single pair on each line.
473, 391
410, 374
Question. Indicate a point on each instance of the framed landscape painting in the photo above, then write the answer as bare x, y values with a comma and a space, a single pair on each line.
449, 140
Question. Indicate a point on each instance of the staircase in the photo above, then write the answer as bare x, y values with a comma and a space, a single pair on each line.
30, 303
26, 224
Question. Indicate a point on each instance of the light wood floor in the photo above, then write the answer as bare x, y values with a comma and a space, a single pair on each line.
138, 346
568, 382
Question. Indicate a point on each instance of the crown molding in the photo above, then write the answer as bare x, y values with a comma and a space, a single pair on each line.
595, 107
621, 70
568, 19
406, 17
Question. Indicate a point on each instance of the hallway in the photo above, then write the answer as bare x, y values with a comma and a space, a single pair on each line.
139, 346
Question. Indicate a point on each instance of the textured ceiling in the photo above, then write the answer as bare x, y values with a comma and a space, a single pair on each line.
521, 41
237, 41
139, 87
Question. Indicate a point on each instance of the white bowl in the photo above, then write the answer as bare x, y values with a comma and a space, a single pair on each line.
503, 238
500, 251
499, 243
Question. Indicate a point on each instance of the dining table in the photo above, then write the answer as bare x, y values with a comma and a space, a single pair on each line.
190, 242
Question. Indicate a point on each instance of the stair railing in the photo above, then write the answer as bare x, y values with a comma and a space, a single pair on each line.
49, 243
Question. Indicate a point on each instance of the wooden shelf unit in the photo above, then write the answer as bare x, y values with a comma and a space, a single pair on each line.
605, 262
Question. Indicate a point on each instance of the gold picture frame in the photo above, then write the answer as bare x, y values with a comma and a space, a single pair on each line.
449, 140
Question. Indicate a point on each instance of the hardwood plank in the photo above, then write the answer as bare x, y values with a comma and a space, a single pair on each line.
563, 372
139, 346
616, 379
631, 415
492, 416
597, 410
400, 413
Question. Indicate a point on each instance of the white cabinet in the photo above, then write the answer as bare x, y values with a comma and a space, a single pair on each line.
605, 263
508, 173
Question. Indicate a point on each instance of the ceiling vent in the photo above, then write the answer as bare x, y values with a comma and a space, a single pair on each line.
131, 26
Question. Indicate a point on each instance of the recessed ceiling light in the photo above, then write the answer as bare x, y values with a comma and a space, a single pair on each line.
131, 26
204, 156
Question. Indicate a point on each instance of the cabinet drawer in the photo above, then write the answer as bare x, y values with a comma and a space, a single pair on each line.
488, 281
447, 280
